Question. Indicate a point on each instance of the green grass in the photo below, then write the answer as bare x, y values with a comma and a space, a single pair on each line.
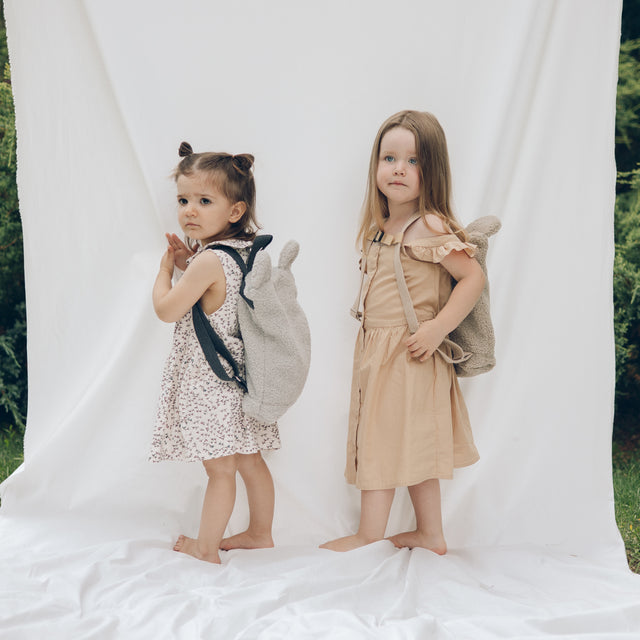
10, 452
626, 485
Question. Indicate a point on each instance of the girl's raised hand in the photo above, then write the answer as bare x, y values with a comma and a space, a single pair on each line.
424, 342
168, 261
180, 250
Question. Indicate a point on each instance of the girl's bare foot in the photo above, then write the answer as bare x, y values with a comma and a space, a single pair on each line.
348, 543
247, 540
411, 539
191, 547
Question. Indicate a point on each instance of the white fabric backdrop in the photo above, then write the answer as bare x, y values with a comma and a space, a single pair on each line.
105, 91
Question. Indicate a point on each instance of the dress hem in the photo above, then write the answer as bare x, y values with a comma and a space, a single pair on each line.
412, 482
213, 457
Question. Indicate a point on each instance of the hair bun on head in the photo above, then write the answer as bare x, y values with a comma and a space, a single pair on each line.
185, 149
242, 162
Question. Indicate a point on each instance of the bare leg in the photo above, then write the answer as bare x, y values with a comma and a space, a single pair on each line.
216, 510
375, 506
260, 494
428, 534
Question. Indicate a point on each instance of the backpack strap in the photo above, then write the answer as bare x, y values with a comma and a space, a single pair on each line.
458, 354
259, 243
214, 348
212, 344
379, 236
407, 304
355, 308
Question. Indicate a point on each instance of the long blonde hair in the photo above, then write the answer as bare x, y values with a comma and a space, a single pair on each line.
435, 174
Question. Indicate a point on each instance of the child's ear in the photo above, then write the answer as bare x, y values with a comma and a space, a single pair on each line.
237, 211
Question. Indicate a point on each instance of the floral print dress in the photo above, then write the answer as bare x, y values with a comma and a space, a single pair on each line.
200, 416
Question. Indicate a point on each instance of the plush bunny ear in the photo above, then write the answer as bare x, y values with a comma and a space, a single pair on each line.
288, 254
487, 225
185, 149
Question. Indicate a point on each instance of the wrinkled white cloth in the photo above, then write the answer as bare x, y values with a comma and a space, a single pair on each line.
105, 92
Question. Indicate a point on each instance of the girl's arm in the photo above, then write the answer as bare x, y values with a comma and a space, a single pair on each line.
204, 273
470, 282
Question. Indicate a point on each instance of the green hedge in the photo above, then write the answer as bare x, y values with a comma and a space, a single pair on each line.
13, 356
626, 273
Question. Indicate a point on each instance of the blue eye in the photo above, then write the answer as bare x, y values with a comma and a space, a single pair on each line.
389, 158
182, 201
205, 201
413, 161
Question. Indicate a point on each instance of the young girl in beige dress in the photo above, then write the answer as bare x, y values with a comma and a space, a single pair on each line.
200, 417
408, 424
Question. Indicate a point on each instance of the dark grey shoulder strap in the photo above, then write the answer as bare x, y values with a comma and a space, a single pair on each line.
212, 344
214, 348
259, 243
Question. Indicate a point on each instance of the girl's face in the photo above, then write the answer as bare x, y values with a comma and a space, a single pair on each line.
203, 212
397, 175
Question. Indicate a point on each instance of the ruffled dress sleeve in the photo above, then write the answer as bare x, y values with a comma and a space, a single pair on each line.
436, 248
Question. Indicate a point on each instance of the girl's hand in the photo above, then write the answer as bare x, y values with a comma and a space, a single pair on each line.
180, 251
424, 342
168, 261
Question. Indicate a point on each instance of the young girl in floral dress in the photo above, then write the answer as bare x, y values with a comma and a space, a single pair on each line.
200, 417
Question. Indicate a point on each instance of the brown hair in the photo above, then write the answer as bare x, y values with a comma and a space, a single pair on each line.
435, 174
233, 177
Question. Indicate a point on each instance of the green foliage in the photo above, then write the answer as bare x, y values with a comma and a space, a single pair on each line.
626, 295
626, 270
628, 110
11, 452
13, 384
630, 27
13, 357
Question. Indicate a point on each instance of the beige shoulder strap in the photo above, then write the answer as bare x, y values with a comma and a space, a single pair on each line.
355, 309
406, 300
407, 304
457, 353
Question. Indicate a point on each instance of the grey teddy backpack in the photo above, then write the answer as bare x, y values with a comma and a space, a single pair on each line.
275, 332
475, 333
472, 343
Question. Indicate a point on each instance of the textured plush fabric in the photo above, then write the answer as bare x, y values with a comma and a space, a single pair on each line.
276, 337
475, 333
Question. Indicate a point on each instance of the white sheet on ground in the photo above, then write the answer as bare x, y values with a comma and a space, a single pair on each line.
105, 92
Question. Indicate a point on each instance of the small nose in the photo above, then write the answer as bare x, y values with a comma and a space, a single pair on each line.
399, 167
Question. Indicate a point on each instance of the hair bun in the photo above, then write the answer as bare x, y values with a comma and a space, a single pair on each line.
243, 162
185, 149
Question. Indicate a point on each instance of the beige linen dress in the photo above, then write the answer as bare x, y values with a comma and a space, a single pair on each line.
408, 421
